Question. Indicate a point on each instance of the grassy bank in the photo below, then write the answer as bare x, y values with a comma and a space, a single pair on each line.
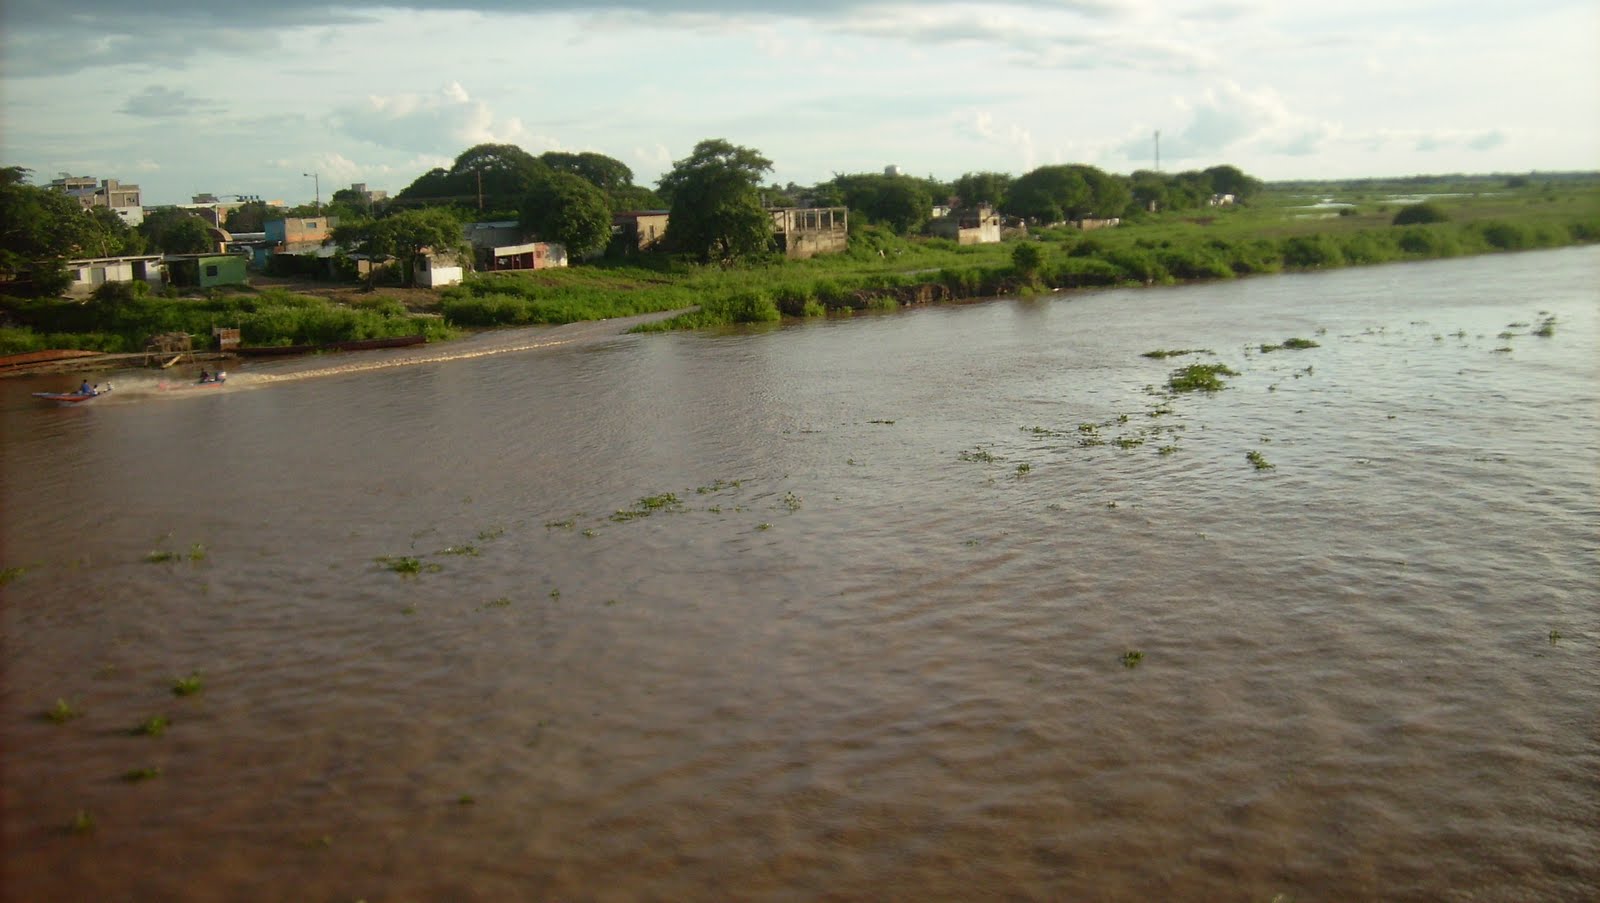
1300, 227
122, 321
1286, 230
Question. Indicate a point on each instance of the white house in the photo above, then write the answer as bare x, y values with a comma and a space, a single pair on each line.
90, 273
435, 270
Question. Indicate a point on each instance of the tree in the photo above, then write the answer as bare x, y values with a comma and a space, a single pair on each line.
495, 176
716, 210
175, 231
40, 229
635, 197
975, 188
1052, 194
599, 170
1227, 179
405, 237
252, 216
903, 203
569, 209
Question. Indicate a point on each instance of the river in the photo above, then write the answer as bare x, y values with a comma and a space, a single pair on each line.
955, 602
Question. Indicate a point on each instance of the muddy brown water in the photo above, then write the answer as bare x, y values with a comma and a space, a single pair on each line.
875, 649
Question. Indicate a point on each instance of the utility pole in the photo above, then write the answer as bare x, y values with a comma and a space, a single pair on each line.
480, 191
1158, 150
316, 181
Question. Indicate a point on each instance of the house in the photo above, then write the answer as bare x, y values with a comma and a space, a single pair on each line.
90, 273
1220, 200
298, 234
438, 269
123, 200
968, 225
638, 230
1089, 225
207, 270
803, 232
536, 255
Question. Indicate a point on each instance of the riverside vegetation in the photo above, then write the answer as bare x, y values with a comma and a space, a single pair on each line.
1286, 227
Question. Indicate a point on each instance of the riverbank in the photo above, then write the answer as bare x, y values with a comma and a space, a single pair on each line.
1281, 232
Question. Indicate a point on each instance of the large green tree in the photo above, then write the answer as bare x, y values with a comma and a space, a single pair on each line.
903, 203
569, 209
601, 171
40, 229
975, 188
491, 177
252, 216
1053, 194
405, 237
715, 201
176, 231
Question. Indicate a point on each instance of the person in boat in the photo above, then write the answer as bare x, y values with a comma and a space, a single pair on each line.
206, 377
86, 389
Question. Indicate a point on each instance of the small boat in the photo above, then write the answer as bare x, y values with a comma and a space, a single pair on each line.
206, 381
69, 399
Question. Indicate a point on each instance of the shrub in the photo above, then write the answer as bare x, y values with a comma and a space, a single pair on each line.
1311, 251
1137, 264
1505, 236
1425, 242
1026, 258
793, 300
1193, 263
1082, 272
1425, 212
1369, 247
745, 307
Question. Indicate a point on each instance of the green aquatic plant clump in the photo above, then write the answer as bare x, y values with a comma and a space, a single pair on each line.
187, 686
1164, 353
1199, 378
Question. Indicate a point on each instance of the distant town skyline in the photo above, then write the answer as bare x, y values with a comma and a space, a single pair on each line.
183, 97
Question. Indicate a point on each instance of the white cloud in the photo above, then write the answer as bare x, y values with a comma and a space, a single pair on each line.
445, 121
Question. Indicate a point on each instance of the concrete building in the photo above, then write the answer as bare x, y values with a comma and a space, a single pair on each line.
968, 225
298, 234
435, 270
803, 232
369, 196
535, 255
638, 230
207, 270
90, 273
123, 200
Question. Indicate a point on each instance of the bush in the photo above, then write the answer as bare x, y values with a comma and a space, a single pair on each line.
1424, 242
1505, 236
1193, 263
1425, 212
1369, 247
1136, 264
793, 300
1311, 251
744, 307
1082, 272
1026, 258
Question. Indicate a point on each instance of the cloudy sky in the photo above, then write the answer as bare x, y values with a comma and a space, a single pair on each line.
185, 96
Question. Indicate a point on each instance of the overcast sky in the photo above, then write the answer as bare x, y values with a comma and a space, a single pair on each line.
185, 96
